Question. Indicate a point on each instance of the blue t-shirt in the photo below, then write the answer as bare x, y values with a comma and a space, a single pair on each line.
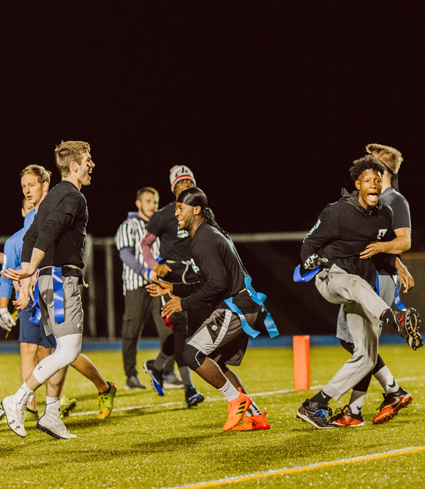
12, 254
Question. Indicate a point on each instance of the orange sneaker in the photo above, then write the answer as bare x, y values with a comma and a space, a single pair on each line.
391, 405
236, 409
253, 423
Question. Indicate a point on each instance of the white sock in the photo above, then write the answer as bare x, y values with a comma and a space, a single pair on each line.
253, 409
229, 391
357, 401
53, 405
23, 394
385, 378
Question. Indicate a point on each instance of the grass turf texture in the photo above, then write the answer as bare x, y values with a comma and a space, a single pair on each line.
153, 442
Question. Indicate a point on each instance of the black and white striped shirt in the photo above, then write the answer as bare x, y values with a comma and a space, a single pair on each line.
127, 239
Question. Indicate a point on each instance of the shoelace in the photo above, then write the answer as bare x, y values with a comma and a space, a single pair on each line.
322, 413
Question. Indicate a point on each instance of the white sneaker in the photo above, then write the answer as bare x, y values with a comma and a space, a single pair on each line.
53, 426
15, 415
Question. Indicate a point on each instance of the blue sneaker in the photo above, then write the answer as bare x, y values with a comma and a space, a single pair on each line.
193, 397
156, 377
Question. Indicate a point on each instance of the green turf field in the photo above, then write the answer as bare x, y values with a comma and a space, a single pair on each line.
154, 442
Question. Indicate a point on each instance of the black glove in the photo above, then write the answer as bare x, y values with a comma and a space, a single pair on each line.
313, 261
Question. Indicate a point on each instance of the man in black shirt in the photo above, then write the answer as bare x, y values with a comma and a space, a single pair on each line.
175, 265
224, 283
54, 245
342, 236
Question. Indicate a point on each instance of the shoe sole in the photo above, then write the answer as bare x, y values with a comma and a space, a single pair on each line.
195, 402
348, 425
51, 433
153, 383
412, 329
393, 414
127, 388
306, 419
235, 428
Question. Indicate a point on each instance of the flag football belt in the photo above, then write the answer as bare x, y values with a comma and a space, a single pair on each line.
259, 299
58, 306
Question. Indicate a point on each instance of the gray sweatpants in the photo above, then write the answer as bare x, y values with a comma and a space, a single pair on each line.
363, 308
386, 292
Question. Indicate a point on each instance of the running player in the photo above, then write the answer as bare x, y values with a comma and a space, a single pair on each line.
395, 397
343, 231
222, 338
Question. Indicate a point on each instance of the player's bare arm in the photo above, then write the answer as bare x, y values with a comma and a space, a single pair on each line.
405, 277
398, 245
24, 294
28, 269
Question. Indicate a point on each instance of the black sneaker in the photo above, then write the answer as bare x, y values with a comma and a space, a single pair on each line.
156, 377
193, 397
408, 327
133, 383
310, 412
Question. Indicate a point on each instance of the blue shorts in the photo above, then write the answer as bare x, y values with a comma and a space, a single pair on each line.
34, 333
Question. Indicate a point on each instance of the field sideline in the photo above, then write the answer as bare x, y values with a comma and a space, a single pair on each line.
154, 442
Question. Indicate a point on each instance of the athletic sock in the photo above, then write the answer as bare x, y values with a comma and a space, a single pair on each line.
229, 391
160, 361
23, 394
53, 405
387, 317
387, 381
321, 398
185, 376
357, 401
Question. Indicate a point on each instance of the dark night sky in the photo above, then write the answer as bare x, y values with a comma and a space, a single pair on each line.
267, 102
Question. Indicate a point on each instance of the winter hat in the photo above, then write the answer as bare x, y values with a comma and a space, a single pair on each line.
180, 172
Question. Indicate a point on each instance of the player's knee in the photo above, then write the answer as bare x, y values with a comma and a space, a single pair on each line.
193, 357
223, 368
348, 346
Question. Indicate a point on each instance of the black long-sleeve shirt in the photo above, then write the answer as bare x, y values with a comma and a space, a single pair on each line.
59, 229
343, 230
220, 272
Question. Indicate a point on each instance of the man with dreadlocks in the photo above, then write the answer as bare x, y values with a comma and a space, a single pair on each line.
222, 338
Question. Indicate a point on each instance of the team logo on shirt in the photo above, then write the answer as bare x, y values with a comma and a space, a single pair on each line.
314, 227
182, 233
381, 233
194, 267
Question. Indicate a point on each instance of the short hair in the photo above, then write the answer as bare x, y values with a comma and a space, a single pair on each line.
390, 156
39, 171
143, 190
67, 152
24, 201
368, 162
